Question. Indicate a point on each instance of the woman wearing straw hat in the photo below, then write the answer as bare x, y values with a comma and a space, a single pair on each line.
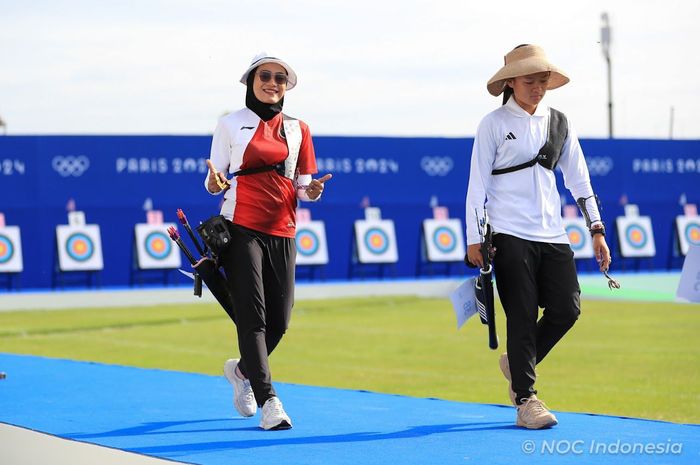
271, 157
516, 149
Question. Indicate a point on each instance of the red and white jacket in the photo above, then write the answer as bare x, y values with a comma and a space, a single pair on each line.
266, 201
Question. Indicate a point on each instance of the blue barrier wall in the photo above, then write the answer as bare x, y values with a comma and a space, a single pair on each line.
110, 178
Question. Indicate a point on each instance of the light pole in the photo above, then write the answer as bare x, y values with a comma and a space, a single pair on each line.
605, 39
670, 126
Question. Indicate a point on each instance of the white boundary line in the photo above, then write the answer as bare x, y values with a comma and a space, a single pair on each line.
55, 300
22, 446
425, 287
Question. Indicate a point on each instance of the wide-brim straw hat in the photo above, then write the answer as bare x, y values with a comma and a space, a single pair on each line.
522, 61
264, 57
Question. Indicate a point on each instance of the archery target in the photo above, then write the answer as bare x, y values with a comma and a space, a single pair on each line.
688, 229
157, 246
7, 249
311, 243
579, 237
155, 249
79, 247
635, 236
10, 250
443, 239
376, 241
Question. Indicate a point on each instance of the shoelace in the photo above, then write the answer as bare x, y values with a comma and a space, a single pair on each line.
247, 390
536, 405
275, 407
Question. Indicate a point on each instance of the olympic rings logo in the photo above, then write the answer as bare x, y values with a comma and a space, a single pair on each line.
70, 165
599, 166
436, 166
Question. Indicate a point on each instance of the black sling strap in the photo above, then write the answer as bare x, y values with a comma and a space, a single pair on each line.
519, 167
550, 152
278, 167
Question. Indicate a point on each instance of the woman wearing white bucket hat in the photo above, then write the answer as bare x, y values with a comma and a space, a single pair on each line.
271, 157
516, 149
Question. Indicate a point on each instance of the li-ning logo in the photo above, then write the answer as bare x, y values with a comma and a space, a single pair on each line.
436, 166
510, 136
70, 165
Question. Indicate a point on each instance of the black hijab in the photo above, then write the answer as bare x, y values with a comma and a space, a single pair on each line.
266, 111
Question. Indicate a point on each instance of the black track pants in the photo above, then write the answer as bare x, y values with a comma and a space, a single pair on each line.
260, 273
531, 275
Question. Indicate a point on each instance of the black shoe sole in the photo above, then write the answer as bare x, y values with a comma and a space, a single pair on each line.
281, 426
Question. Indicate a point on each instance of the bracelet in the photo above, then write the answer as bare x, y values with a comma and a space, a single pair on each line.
598, 230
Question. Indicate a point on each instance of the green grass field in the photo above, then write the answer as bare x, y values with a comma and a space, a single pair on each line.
621, 358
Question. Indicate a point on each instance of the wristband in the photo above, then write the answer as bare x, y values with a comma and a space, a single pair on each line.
598, 229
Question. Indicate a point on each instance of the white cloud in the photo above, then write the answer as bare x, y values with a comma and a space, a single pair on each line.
366, 67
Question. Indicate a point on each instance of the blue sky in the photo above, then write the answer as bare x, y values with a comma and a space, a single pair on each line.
409, 68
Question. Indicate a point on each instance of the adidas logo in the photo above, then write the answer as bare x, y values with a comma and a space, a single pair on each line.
510, 136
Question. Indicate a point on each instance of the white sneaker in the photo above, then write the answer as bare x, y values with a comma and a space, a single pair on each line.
243, 397
274, 416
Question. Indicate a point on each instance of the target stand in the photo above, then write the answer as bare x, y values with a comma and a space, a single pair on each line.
9, 281
441, 246
635, 239
78, 256
581, 242
684, 234
11, 263
154, 257
373, 249
312, 249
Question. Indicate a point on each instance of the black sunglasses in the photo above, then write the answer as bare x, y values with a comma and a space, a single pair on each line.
280, 78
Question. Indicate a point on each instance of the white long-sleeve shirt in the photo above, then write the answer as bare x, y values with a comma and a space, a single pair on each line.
522, 203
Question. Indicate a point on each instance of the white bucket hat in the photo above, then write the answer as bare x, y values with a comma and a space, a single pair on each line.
522, 61
264, 57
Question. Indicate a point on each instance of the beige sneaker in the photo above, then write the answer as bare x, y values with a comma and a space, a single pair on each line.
533, 414
505, 369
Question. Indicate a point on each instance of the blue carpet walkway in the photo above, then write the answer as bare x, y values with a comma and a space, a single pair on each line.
189, 418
